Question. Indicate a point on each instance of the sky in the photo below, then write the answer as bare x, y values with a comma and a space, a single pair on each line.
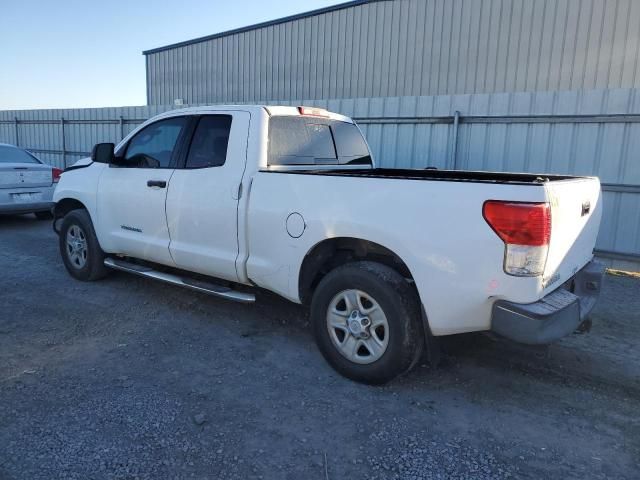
72, 53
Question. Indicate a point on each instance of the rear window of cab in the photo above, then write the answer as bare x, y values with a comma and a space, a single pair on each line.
306, 140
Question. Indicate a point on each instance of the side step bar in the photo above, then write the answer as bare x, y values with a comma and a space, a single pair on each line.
198, 286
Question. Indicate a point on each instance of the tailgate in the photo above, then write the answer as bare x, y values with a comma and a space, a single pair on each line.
576, 208
22, 175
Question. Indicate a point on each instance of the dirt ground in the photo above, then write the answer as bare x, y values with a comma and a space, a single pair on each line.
127, 378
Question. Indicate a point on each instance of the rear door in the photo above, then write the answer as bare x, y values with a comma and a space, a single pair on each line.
131, 197
576, 209
202, 201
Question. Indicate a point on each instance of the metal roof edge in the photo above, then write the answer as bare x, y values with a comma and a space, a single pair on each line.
290, 18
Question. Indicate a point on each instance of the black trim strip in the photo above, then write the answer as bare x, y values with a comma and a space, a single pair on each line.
299, 16
435, 175
185, 141
76, 167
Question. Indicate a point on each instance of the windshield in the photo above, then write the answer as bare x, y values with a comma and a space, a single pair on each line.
15, 155
306, 140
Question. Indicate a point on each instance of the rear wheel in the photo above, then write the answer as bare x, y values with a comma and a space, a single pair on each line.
79, 247
366, 320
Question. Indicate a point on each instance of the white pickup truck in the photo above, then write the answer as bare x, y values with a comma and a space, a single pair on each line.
229, 199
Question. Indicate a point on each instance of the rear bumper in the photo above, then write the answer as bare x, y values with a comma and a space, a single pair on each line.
43, 200
553, 316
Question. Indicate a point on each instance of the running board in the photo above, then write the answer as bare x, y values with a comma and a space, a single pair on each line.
192, 284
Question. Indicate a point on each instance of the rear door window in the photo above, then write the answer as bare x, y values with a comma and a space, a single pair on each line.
210, 141
310, 140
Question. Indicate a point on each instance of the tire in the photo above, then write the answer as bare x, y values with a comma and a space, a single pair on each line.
381, 352
43, 215
79, 247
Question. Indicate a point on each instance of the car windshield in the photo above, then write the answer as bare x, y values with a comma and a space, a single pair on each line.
10, 154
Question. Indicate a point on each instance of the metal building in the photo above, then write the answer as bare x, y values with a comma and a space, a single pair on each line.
389, 48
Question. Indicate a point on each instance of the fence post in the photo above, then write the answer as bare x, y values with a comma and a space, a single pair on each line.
454, 149
121, 127
64, 143
16, 131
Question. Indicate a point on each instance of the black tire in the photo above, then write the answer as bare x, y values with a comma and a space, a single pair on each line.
401, 308
43, 215
93, 266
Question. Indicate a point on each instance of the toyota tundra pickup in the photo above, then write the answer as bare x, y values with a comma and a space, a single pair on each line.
228, 200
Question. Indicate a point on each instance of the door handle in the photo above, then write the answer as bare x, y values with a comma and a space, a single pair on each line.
156, 183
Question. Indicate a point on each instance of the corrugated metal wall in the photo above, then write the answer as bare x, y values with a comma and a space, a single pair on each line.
397, 137
409, 48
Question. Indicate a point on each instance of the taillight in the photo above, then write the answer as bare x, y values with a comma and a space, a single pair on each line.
525, 228
55, 174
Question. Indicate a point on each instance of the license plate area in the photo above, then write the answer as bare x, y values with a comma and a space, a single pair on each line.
26, 197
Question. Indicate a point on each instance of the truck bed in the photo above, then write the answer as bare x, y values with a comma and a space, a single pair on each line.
436, 175
436, 227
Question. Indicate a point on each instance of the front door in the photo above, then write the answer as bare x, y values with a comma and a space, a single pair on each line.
131, 196
202, 202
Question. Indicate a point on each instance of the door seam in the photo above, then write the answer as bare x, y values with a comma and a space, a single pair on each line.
166, 217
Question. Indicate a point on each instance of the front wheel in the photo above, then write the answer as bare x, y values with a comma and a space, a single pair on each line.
366, 320
79, 247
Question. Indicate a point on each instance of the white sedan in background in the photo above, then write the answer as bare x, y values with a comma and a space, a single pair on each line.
26, 184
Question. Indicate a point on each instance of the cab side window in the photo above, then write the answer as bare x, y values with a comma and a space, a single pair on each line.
210, 140
153, 146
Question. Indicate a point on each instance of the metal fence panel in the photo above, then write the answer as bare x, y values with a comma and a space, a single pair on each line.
583, 133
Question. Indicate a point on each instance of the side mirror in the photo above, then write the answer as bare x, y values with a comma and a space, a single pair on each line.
103, 153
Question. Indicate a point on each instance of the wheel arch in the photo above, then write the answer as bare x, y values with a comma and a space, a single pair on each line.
329, 253
65, 205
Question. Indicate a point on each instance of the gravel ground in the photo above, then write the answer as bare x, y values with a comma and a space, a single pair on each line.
127, 378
